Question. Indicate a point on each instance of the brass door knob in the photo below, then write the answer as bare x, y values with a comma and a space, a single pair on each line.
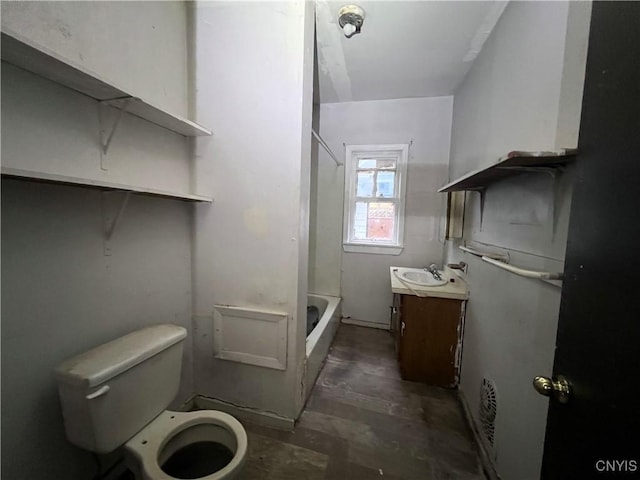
558, 387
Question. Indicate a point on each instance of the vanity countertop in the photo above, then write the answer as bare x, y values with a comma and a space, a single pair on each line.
455, 290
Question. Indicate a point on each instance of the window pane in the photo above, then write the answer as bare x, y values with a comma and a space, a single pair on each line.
365, 184
360, 221
385, 163
367, 163
386, 184
374, 221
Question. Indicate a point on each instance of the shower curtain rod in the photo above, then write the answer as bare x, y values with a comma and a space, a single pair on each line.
326, 147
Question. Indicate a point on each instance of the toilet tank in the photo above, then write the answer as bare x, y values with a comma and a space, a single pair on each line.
111, 392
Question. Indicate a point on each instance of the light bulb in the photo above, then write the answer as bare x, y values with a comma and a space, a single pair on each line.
348, 29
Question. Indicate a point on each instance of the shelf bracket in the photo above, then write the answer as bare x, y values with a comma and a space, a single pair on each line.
555, 211
103, 130
111, 217
482, 192
555, 174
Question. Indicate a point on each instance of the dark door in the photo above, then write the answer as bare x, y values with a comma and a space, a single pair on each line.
597, 433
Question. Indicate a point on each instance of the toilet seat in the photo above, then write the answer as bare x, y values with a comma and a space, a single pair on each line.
170, 431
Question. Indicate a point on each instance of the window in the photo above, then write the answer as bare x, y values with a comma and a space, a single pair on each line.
375, 177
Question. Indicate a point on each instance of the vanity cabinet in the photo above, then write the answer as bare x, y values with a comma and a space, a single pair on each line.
428, 336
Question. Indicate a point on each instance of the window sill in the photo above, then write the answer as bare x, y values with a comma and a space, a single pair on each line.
374, 249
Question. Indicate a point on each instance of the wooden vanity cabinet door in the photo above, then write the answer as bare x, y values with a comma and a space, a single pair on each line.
429, 339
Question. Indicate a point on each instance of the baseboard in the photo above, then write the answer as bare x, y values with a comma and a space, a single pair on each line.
258, 417
363, 323
486, 459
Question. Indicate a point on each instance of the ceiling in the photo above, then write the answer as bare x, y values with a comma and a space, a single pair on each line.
405, 49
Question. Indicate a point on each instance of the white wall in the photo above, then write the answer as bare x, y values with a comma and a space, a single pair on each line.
120, 42
522, 93
140, 154
518, 76
251, 244
424, 122
60, 294
139, 46
325, 221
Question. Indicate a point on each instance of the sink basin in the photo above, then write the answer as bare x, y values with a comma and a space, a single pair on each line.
423, 279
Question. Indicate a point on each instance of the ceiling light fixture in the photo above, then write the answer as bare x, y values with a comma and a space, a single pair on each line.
350, 18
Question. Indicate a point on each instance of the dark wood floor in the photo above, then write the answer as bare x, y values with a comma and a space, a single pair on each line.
363, 422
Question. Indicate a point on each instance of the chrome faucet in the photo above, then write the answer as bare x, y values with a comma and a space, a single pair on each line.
433, 270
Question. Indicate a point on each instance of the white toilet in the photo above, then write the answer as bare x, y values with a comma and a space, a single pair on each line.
116, 395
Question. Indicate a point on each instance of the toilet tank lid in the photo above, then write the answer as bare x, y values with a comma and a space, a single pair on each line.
110, 359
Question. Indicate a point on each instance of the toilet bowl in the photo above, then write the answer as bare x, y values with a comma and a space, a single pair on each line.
205, 445
116, 395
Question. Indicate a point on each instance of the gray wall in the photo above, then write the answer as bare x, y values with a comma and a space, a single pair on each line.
61, 296
522, 93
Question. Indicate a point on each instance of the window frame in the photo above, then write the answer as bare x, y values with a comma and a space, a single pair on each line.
358, 152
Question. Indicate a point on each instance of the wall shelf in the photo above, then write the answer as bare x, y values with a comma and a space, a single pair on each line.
38, 59
511, 164
99, 184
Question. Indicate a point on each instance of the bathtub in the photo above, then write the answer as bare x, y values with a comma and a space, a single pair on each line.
320, 338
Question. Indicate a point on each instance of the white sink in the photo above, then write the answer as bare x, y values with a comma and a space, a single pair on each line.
423, 279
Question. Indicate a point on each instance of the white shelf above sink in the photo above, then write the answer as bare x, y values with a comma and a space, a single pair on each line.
511, 164
38, 59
